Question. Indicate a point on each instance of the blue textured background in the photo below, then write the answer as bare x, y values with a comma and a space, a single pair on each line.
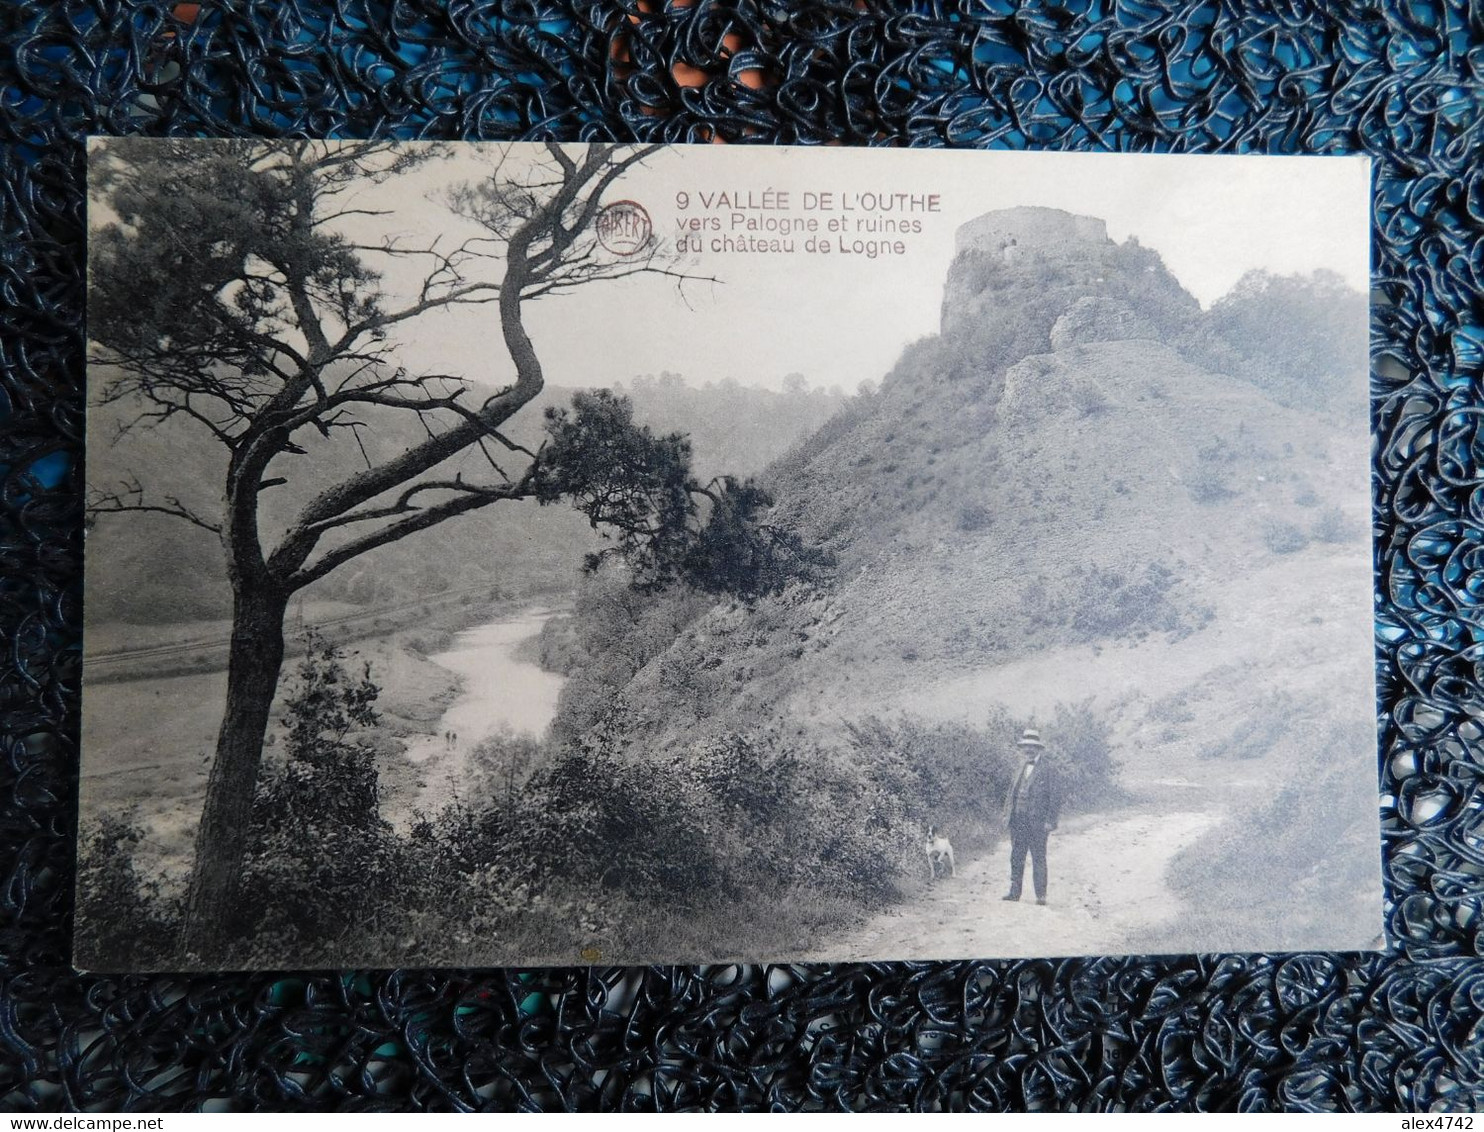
1403, 82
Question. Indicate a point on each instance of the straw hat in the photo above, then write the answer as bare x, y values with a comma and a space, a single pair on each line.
1030, 737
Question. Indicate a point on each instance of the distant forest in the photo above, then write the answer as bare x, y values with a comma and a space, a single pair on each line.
525, 548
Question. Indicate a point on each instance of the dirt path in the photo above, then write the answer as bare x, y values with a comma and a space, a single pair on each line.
1106, 881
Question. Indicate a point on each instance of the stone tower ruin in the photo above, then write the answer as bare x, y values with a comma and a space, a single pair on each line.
1029, 226
1017, 236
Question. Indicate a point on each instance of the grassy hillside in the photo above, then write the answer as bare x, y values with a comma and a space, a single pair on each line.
1091, 493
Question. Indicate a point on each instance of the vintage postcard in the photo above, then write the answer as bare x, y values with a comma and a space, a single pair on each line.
555, 554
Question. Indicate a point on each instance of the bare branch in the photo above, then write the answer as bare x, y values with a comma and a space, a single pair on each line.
130, 498
468, 498
344, 212
489, 291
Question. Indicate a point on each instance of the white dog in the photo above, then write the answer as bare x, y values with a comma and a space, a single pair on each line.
939, 853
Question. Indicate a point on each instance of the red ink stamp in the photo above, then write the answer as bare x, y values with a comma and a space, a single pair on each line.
624, 228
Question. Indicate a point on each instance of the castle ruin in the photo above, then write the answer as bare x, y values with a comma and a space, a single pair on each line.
1009, 228
1019, 236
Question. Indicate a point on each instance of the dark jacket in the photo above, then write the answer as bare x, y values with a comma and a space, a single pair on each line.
1034, 805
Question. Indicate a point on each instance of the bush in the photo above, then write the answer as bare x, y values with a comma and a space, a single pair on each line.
1330, 526
500, 765
1174, 708
1208, 484
430, 641
123, 921
950, 775
1116, 603
1295, 336
616, 824
1083, 740
326, 879
974, 516
324, 867
735, 817
1282, 537
1089, 400
556, 648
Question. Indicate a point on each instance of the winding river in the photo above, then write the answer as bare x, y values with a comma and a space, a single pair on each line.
499, 691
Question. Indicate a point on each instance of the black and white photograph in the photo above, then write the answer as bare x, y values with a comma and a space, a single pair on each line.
535, 554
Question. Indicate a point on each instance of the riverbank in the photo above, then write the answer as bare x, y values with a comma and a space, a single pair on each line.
150, 739
497, 690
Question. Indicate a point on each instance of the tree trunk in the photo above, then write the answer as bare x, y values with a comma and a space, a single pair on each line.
221, 840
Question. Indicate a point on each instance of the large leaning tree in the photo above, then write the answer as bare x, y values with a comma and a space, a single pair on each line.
233, 288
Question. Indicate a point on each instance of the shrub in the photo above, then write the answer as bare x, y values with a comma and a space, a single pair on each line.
1174, 708
1282, 537
1116, 603
321, 710
948, 774
556, 648
1294, 336
733, 817
1083, 739
1330, 526
324, 865
499, 766
123, 920
615, 823
974, 516
1089, 400
430, 641
1208, 484
1078, 740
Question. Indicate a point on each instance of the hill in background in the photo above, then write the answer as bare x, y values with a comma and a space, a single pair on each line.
1060, 465
519, 547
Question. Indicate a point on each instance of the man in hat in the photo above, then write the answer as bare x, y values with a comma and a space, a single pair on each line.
1030, 811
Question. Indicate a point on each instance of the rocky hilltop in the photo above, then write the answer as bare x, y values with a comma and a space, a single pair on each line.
1059, 466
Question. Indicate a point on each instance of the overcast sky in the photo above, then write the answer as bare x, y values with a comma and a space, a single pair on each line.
844, 319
